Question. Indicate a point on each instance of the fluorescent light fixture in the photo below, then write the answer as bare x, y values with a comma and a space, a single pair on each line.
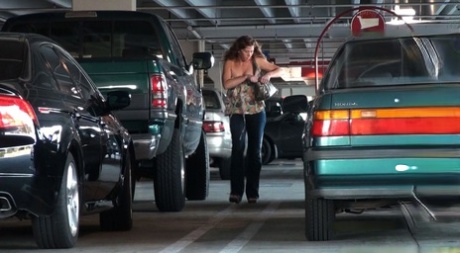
407, 15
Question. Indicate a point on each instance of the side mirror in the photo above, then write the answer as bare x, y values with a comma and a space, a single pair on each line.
116, 100
295, 104
202, 60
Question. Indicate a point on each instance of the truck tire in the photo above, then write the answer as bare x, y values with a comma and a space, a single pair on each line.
197, 172
60, 229
319, 219
168, 180
120, 217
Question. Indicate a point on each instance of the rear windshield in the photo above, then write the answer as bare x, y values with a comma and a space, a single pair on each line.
11, 59
211, 100
99, 39
396, 61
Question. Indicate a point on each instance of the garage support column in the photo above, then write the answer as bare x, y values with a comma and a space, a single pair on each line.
86, 5
201, 48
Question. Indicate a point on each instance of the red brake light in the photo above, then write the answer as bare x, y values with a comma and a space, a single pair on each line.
331, 123
159, 91
15, 112
213, 126
416, 120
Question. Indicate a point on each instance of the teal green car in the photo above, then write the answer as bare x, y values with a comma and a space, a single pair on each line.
383, 128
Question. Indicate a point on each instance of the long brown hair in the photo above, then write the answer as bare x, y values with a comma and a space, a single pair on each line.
240, 44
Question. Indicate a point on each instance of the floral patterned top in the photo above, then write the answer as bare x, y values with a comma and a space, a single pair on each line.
241, 100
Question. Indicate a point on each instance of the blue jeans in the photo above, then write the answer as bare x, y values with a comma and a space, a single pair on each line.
248, 167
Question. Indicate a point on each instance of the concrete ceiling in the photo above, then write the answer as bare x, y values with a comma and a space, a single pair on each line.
287, 29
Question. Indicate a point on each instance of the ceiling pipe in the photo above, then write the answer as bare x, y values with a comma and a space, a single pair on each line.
294, 5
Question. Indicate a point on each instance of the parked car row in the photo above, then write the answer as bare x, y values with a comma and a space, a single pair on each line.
139, 53
384, 127
216, 125
283, 132
84, 99
62, 151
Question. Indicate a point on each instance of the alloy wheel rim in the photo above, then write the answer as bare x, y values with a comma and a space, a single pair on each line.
73, 204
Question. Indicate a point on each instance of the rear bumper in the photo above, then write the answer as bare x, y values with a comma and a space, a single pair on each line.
219, 146
407, 190
145, 145
26, 192
383, 174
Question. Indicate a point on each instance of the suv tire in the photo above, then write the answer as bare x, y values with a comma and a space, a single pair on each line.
197, 172
168, 180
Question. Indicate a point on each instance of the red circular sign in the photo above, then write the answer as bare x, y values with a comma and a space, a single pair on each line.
367, 21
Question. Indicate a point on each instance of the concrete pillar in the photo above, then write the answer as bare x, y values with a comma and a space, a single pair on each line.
87, 5
201, 48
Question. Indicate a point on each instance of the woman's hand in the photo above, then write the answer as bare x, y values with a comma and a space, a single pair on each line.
254, 79
264, 79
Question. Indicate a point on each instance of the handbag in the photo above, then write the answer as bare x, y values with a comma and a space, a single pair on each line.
263, 91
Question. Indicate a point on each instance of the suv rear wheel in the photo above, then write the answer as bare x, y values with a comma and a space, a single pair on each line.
197, 172
168, 180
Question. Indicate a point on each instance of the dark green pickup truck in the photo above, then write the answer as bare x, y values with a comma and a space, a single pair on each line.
138, 52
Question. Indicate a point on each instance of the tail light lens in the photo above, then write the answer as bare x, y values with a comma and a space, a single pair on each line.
16, 115
213, 126
159, 91
416, 120
331, 123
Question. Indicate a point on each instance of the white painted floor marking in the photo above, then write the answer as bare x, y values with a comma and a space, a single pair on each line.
197, 233
242, 239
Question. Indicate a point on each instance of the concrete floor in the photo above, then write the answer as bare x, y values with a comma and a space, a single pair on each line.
274, 224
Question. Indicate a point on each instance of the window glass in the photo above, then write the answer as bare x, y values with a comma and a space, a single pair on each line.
66, 35
211, 100
135, 39
43, 77
11, 59
96, 39
175, 47
93, 39
60, 71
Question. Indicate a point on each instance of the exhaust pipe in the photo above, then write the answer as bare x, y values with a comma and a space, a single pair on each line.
5, 205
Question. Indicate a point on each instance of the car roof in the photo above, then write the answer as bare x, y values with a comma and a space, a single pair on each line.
30, 37
69, 15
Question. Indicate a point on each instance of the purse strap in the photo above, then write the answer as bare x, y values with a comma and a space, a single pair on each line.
255, 67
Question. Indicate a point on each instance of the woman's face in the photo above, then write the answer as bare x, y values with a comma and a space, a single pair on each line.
246, 53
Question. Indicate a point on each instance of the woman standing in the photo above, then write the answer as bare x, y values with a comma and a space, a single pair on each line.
244, 62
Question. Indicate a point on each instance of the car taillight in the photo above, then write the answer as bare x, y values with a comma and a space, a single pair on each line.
159, 91
16, 113
213, 126
416, 120
331, 123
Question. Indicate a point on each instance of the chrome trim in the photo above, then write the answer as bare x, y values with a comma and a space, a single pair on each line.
4, 201
15, 175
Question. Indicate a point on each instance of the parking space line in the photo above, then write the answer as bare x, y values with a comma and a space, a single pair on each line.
242, 239
197, 233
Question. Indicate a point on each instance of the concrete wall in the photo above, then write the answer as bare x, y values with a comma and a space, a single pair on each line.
216, 71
